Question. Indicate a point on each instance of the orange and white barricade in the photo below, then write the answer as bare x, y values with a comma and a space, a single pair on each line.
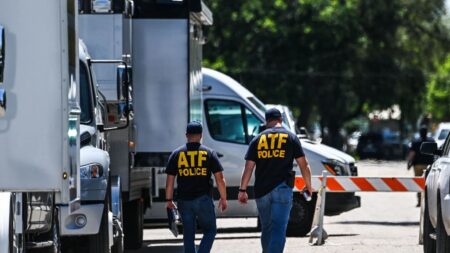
325, 183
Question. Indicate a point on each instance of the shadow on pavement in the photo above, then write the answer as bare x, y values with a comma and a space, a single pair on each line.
379, 223
342, 235
160, 246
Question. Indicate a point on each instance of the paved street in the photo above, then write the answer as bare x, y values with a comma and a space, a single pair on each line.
386, 222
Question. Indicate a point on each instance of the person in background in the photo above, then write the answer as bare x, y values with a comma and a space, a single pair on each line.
193, 164
418, 160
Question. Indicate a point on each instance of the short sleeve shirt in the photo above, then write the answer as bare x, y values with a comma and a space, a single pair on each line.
273, 151
193, 164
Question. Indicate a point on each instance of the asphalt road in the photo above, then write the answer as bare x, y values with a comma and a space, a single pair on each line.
385, 223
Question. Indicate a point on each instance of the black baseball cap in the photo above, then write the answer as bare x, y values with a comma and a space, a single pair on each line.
194, 127
273, 113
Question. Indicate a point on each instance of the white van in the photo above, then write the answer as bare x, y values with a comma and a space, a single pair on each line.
231, 119
232, 116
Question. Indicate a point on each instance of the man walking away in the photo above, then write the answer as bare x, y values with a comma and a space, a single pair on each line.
193, 164
273, 152
418, 160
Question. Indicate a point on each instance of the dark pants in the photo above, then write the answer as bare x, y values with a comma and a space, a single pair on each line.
418, 172
200, 209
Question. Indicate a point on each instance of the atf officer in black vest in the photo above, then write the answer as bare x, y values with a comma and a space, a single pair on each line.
193, 164
273, 152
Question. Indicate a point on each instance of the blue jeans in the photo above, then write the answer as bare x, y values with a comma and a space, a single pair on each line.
200, 209
274, 209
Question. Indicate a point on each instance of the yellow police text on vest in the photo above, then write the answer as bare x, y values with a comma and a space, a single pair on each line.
272, 145
190, 163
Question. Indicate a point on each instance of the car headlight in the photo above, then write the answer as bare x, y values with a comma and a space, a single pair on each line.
335, 167
91, 171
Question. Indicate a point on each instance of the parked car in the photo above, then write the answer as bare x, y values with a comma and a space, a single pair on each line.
436, 215
441, 133
381, 145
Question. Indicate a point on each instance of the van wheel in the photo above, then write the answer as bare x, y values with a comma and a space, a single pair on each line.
429, 244
99, 243
301, 217
442, 239
133, 217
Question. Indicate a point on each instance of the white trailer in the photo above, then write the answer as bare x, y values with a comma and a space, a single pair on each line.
39, 122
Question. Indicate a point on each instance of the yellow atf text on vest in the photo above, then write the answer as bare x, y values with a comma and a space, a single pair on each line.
272, 145
190, 163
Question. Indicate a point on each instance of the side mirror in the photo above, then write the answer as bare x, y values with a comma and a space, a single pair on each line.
124, 80
430, 148
2, 52
123, 75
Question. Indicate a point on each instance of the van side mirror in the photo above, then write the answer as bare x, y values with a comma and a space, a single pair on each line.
430, 148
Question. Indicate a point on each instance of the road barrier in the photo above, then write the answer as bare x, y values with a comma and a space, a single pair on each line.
327, 183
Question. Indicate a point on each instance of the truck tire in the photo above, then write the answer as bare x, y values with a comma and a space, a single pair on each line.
133, 217
14, 241
442, 239
99, 243
118, 246
56, 235
429, 244
301, 216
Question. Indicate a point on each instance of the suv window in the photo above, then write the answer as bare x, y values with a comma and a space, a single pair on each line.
226, 121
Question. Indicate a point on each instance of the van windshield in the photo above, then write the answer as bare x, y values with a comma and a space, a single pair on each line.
257, 103
443, 134
85, 96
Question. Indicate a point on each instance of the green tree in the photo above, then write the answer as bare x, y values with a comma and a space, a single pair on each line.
438, 95
330, 59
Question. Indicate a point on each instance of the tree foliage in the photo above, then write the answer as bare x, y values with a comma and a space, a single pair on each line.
438, 95
332, 60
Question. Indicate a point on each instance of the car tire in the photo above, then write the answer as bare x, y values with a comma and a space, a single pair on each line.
442, 239
133, 213
301, 216
429, 244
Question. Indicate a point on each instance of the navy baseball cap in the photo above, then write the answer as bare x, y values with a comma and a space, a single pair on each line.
273, 113
194, 127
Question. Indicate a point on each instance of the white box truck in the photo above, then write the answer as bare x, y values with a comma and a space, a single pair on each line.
65, 115
39, 122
